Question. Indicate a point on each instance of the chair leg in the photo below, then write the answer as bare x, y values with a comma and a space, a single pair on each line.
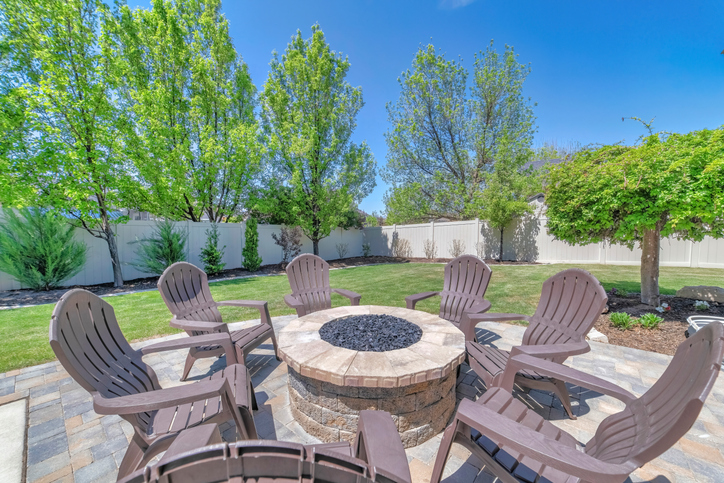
187, 367
133, 456
442, 453
562, 392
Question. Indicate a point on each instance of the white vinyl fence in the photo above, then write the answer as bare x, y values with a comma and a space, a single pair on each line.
525, 240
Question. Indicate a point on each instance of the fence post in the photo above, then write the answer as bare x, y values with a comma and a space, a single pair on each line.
694, 254
188, 240
432, 229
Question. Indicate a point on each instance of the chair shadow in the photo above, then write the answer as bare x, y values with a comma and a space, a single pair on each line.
485, 336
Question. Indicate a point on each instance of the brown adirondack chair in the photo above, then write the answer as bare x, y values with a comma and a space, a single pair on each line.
517, 444
88, 342
570, 303
309, 279
199, 456
466, 280
185, 290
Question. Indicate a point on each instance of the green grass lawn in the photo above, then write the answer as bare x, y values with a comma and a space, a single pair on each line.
24, 332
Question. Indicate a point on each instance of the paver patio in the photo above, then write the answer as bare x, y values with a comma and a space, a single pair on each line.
67, 441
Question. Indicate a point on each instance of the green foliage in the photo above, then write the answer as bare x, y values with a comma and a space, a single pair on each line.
621, 320
211, 255
650, 321
38, 249
165, 246
252, 260
309, 113
65, 148
701, 305
366, 249
191, 98
371, 220
445, 139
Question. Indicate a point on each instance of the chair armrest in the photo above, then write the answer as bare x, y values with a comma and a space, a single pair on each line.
378, 444
260, 305
551, 350
191, 440
198, 325
467, 326
564, 373
353, 297
293, 302
519, 438
161, 398
411, 300
497, 317
223, 339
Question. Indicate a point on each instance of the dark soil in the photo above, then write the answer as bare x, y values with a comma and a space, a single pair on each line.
371, 333
664, 339
31, 297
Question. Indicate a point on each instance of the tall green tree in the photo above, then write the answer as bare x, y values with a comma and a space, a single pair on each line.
634, 195
309, 111
192, 100
446, 137
65, 150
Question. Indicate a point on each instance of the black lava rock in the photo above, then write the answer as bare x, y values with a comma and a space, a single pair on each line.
373, 333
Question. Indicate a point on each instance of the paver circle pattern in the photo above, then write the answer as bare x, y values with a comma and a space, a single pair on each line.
440, 350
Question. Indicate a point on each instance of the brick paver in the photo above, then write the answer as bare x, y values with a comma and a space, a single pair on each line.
68, 441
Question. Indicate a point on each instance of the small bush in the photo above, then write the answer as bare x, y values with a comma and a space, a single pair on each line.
163, 248
701, 305
621, 320
650, 321
430, 249
211, 255
342, 249
38, 249
401, 248
619, 291
290, 239
480, 250
366, 249
457, 248
252, 260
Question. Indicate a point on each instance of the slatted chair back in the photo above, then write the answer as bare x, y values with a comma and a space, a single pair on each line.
185, 290
309, 279
88, 342
260, 461
654, 422
570, 303
466, 280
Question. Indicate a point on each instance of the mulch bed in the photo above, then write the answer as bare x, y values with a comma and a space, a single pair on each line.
667, 337
31, 297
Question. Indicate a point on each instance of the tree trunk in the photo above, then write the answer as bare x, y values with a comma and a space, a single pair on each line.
500, 257
315, 247
115, 259
650, 267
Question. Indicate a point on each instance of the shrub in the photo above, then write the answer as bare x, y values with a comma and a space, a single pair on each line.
165, 246
650, 321
430, 249
211, 255
701, 305
252, 260
290, 239
342, 249
480, 250
621, 320
619, 291
401, 248
366, 249
38, 249
457, 248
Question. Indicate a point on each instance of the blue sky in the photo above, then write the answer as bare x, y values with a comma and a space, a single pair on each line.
592, 62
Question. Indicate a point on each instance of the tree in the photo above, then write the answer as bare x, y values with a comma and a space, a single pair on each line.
211, 254
445, 138
309, 111
252, 261
505, 197
37, 248
165, 246
192, 100
65, 149
634, 195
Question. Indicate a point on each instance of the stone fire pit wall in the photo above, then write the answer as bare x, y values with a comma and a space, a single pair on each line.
329, 386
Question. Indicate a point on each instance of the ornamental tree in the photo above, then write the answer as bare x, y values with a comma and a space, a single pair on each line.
666, 186
309, 113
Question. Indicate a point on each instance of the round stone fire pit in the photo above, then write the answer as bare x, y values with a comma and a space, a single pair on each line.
330, 385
